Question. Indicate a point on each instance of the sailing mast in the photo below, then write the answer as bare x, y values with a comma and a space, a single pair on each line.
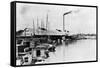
47, 26
37, 27
47, 22
33, 28
42, 25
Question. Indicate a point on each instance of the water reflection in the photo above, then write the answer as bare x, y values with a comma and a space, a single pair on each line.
73, 50
66, 51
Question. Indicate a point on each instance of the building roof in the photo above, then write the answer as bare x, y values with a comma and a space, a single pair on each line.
30, 32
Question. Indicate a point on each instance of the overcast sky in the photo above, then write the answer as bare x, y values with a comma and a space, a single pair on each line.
81, 20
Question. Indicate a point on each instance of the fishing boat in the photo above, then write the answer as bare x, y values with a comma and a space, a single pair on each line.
34, 55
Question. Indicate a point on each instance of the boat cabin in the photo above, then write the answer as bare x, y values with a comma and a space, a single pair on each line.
36, 54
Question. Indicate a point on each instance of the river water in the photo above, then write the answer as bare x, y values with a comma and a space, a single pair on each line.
79, 50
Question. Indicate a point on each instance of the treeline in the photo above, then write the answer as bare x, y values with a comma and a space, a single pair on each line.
84, 36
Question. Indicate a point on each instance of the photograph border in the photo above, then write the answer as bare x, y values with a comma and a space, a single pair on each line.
13, 32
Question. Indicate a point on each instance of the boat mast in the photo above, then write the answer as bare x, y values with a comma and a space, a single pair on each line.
33, 28
37, 27
42, 25
47, 26
47, 22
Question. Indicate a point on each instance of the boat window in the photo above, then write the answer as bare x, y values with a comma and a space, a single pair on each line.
38, 53
21, 48
26, 59
26, 43
19, 41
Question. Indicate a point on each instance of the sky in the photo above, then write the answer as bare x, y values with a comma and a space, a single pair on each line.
80, 20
